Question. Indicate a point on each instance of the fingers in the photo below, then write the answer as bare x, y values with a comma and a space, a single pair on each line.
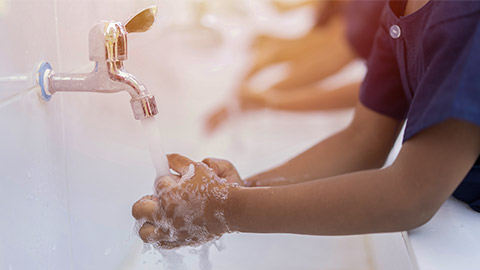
165, 183
173, 244
249, 183
217, 165
179, 163
149, 233
258, 180
145, 208
224, 169
250, 99
216, 119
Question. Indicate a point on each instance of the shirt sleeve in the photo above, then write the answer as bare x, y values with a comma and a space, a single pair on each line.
381, 90
450, 86
362, 19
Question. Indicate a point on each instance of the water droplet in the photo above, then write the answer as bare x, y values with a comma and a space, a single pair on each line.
146, 248
108, 251
54, 247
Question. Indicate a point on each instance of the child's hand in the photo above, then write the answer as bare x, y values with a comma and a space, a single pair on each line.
187, 209
247, 99
224, 169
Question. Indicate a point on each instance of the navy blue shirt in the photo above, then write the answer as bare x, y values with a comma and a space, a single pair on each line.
425, 67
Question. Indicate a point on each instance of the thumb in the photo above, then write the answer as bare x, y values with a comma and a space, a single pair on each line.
179, 163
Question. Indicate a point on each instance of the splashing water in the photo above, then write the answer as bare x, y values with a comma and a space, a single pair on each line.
159, 159
204, 256
173, 260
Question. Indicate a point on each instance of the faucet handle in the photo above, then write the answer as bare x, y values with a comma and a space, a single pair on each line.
108, 39
142, 21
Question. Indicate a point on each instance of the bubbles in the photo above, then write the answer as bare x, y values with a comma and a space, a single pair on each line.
188, 175
138, 224
188, 208
221, 218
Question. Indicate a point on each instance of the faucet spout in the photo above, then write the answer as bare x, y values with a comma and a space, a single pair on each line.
107, 77
142, 102
108, 49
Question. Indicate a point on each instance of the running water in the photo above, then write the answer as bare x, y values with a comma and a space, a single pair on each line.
171, 258
159, 159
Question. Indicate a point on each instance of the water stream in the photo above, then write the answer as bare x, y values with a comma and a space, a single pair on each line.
171, 258
159, 158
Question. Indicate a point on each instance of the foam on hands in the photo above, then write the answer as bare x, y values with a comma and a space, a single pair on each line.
190, 207
188, 175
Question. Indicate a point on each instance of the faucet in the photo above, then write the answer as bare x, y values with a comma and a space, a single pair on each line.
108, 49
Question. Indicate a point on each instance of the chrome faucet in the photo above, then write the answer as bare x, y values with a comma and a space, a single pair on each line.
108, 49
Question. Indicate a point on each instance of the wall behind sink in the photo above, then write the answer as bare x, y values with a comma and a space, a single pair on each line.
68, 176
71, 168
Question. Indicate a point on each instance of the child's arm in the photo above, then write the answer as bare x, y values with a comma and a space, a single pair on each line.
326, 52
403, 196
364, 144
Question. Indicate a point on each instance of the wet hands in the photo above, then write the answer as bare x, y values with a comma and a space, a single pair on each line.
189, 208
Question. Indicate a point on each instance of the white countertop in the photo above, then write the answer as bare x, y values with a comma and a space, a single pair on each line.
451, 240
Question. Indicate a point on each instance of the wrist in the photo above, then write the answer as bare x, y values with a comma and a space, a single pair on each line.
234, 208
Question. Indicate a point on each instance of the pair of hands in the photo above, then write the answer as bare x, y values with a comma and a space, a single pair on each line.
188, 208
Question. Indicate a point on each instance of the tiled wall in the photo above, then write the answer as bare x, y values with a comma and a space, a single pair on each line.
70, 169
55, 209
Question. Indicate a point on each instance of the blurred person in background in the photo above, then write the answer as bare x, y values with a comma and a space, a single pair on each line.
343, 32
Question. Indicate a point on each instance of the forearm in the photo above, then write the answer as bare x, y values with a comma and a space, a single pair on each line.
342, 153
364, 144
320, 41
328, 158
323, 59
363, 202
405, 195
